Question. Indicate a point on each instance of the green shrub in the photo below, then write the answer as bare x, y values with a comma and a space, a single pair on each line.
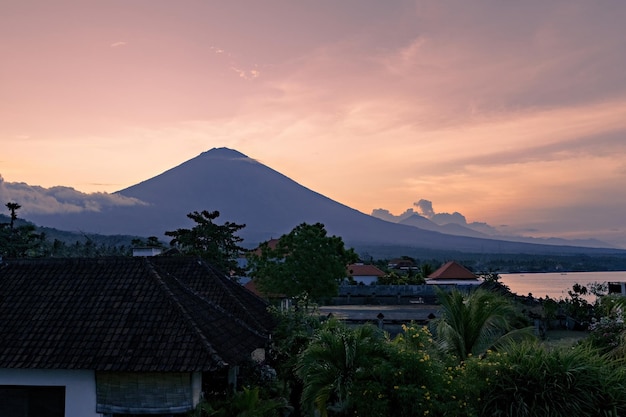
245, 403
530, 380
606, 335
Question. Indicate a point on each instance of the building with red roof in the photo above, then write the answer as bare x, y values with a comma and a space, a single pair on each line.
453, 273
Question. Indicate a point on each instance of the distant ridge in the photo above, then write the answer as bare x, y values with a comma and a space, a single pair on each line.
270, 204
459, 230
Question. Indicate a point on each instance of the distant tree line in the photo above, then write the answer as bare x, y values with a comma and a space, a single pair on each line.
22, 239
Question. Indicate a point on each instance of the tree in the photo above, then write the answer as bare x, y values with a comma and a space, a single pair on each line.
13, 208
426, 269
577, 307
334, 360
150, 242
292, 334
217, 244
19, 241
470, 324
305, 261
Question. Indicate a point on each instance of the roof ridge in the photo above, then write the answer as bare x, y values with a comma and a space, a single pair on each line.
235, 297
186, 288
185, 314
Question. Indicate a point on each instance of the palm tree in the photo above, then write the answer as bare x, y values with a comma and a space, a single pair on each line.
474, 322
13, 208
333, 361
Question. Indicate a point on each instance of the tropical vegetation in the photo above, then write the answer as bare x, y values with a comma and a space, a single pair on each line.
476, 360
473, 322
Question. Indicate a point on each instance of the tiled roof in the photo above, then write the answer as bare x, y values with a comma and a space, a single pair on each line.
360, 270
156, 314
452, 271
272, 243
251, 286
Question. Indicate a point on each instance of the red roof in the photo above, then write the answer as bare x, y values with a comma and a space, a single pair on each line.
270, 243
453, 271
360, 270
251, 286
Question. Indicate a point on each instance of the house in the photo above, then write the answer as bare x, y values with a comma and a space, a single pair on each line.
147, 251
618, 288
121, 336
453, 273
402, 263
364, 274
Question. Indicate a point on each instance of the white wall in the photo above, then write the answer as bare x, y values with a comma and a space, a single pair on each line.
365, 279
80, 387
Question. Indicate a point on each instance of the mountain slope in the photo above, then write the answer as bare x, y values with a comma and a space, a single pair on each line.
269, 203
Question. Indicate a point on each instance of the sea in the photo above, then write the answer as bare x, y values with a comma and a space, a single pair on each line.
555, 285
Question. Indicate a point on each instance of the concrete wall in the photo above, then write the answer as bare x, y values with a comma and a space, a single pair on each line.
80, 387
392, 294
401, 290
365, 279
385, 290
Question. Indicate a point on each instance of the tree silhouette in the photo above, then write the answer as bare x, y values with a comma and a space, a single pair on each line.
217, 244
19, 241
13, 208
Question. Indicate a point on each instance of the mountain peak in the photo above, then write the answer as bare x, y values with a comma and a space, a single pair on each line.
223, 153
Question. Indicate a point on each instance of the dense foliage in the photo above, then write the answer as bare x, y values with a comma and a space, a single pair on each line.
304, 261
467, 363
528, 379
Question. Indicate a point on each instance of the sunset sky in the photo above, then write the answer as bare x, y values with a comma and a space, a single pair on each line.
512, 113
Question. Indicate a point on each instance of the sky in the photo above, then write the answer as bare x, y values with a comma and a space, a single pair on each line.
509, 113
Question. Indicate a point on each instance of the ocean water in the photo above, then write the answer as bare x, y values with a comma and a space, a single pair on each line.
556, 285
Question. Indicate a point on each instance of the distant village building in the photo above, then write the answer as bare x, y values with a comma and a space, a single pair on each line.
121, 336
453, 273
364, 274
401, 263
617, 288
147, 251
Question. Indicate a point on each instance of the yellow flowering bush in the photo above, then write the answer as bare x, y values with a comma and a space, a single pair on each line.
409, 383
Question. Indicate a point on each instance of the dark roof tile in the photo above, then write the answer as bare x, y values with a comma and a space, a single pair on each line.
125, 314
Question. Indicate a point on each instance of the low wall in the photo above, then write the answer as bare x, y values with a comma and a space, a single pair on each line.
386, 290
390, 294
